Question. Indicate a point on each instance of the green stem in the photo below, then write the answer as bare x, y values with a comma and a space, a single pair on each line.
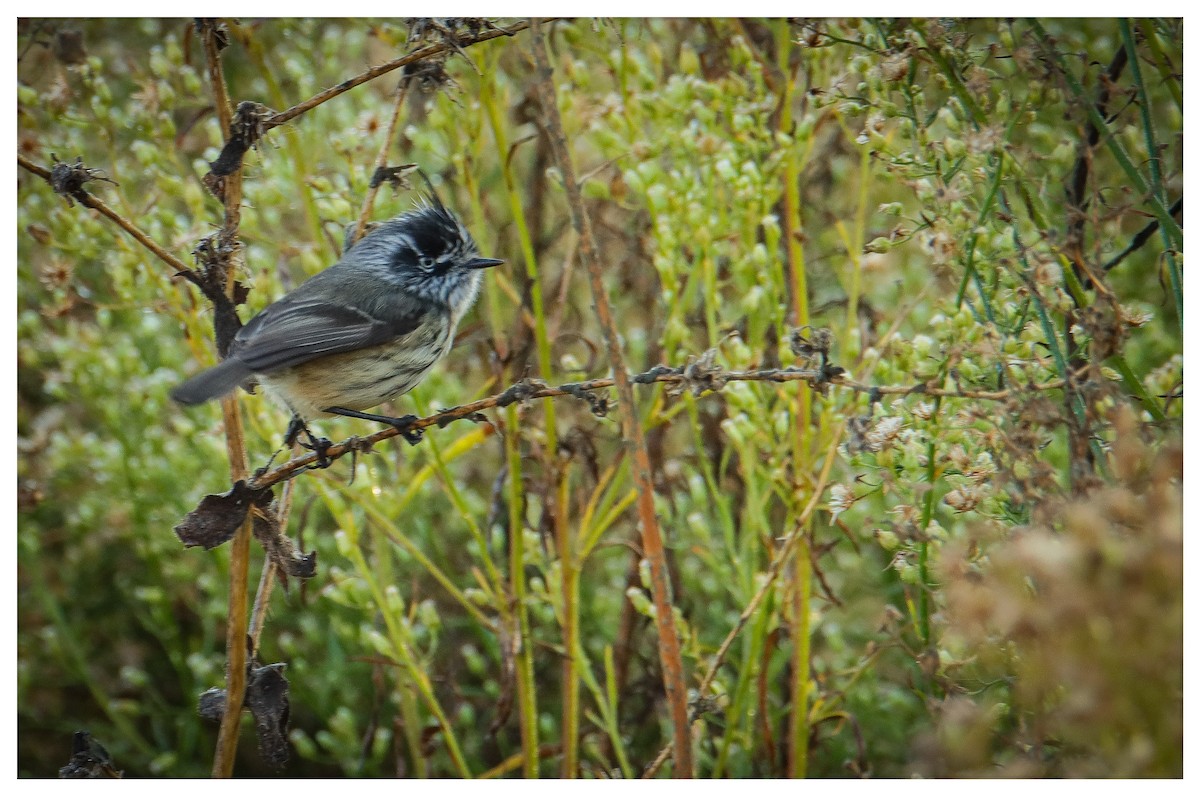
961, 92
923, 628
798, 729
1161, 63
570, 619
491, 105
1156, 181
526, 694
1135, 386
752, 662
450, 484
1171, 230
607, 703
417, 676
396, 537
398, 635
971, 271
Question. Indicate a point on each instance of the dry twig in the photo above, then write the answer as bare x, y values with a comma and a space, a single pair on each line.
652, 542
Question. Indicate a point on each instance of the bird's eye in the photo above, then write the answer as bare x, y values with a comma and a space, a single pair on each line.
426, 262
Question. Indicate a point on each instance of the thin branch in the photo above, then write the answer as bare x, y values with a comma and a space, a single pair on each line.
532, 389
652, 542
262, 599
1140, 239
778, 560
266, 582
941, 392
88, 200
378, 71
237, 624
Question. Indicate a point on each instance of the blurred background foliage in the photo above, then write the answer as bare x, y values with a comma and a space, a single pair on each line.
993, 583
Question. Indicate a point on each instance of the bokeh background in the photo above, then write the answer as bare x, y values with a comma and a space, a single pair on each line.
990, 582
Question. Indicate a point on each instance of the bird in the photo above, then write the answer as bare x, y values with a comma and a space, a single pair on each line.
364, 331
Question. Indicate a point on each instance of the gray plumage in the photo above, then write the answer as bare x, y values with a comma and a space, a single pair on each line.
364, 330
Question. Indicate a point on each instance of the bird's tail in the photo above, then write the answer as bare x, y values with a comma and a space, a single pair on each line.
212, 383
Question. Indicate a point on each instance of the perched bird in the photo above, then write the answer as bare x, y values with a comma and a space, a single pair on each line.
363, 331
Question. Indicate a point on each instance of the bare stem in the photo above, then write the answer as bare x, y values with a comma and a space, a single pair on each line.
652, 541
781, 557
266, 582
532, 390
237, 623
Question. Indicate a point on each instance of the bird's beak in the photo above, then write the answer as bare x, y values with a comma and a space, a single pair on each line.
483, 262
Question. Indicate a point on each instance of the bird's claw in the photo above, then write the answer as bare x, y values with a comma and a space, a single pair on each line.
404, 426
319, 446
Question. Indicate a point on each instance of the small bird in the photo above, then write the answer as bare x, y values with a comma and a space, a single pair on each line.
363, 331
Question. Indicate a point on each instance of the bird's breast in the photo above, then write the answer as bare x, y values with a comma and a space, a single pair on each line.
365, 378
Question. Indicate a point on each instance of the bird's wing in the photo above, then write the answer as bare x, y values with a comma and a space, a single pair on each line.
290, 333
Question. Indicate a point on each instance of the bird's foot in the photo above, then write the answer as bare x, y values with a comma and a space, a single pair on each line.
318, 445
404, 426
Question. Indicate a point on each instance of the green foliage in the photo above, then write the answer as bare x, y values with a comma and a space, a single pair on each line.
952, 230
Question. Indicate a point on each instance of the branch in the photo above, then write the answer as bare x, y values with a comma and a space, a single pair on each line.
677, 379
377, 71
212, 34
72, 188
1143, 235
653, 547
253, 120
777, 561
